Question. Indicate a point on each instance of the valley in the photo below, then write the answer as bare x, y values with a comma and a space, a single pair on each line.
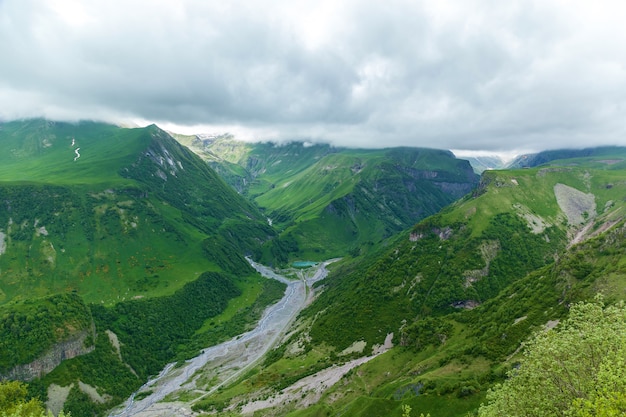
219, 365
326, 201
143, 276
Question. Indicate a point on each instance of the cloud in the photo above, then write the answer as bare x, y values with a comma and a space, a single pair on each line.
475, 75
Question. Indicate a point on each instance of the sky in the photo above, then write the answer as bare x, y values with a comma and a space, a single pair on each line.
475, 75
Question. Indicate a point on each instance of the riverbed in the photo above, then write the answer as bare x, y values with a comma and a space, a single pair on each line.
219, 365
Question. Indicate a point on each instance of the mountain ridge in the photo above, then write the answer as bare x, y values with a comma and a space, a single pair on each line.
148, 246
120, 221
326, 200
460, 291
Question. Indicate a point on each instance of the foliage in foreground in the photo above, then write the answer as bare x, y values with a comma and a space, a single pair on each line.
29, 328
14, 402
578, 370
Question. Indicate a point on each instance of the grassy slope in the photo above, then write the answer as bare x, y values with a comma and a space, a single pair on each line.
118, 222
484, 342
41, 151
131, 224
451, 356
356, 199
531, 191
328, 201
307, 193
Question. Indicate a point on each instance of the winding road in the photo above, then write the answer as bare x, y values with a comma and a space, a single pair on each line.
218, 365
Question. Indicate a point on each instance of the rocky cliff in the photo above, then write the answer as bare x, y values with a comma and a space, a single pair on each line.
77, 344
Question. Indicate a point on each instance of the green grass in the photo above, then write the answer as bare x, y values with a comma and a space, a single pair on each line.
41, 151
320, 410
333, 176
309, 192
331, 201
91, 246
251, 289
128, 219
436, 406
532, 191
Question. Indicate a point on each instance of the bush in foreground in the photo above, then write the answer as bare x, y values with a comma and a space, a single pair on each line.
577, 369
14, 402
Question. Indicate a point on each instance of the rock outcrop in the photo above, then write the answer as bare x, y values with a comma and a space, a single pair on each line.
77, 344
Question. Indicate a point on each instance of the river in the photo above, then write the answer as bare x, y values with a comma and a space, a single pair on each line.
227, 361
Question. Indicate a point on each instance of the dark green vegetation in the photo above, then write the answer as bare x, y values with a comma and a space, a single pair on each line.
120, 230
461, 291
159, 325
435, 269
29, 328
151, 334
329, 201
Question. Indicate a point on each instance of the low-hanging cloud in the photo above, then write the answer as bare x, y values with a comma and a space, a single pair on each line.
477, 75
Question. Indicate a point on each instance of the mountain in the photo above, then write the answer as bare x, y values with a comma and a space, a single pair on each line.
484, 162
598, 155
127, 218
116, 237
126, 254
514, 223
458, 293
328, 201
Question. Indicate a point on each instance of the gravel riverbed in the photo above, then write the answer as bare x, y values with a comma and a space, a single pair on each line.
227, 361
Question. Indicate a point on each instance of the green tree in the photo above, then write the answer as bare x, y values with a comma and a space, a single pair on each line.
577, 369
406, 411
610, 398
14, 403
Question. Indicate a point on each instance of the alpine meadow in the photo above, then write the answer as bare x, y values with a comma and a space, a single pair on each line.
149, 273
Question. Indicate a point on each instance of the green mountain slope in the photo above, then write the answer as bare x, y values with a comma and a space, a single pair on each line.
516, 222
460, 291
124, 230
445, 364
125, 219
147, 250
43, 151
328, 201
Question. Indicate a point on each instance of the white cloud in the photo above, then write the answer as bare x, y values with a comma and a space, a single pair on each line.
476, 74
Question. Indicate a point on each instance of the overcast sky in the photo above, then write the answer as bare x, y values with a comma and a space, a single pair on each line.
488, 75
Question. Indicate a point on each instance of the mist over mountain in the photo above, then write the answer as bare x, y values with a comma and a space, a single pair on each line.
545, 157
